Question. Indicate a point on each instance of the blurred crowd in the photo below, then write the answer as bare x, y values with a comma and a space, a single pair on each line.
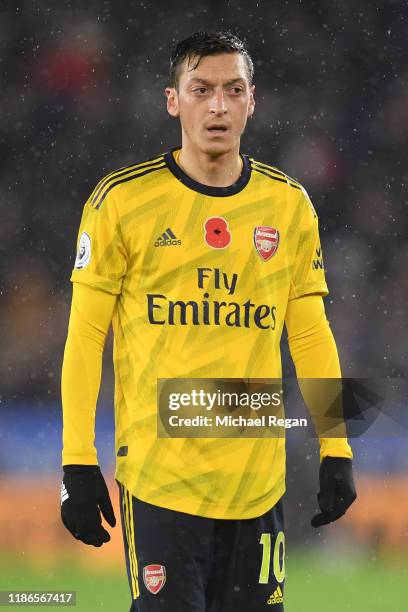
82, 93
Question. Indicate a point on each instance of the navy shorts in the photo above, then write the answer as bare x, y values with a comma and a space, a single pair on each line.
178, 562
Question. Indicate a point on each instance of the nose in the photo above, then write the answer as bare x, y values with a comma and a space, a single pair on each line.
217, 103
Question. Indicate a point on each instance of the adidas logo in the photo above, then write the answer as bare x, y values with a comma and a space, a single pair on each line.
276, 597
167, 239
64, 493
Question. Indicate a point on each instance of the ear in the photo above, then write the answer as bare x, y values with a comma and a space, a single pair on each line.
172, 101
251, 105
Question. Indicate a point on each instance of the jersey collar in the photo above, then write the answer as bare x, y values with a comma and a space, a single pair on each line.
207, 189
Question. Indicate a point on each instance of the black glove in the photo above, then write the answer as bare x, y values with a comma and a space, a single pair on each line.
84, 495
337, 490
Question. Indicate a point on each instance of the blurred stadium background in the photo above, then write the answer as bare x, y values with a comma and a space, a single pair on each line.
82, 94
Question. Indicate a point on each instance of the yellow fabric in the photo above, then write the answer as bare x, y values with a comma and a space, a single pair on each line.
154, 337
314, 354
90, 318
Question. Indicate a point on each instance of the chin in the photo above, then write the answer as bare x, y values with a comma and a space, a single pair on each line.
215, 148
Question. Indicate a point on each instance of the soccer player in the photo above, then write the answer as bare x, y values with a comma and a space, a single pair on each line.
199, 257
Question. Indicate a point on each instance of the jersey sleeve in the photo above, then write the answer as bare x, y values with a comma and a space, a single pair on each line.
314, 353
308, 270
89, 321
101, 259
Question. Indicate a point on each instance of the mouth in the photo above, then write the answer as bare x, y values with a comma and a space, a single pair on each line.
217, 129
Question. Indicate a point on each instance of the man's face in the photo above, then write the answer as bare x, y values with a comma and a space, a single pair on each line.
215, 95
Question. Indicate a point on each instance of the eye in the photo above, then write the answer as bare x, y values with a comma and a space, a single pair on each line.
237, 90
201, 90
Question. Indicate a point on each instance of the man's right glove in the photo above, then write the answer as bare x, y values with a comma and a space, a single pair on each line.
84, 495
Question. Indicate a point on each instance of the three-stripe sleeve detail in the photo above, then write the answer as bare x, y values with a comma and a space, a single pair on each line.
122, 176
274, 174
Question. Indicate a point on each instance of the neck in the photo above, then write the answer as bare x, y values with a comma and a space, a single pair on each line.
220, 170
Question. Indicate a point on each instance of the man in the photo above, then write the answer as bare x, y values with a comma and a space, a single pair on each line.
198, 256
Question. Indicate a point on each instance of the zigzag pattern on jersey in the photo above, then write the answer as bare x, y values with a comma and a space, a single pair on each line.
273, 173
122, 175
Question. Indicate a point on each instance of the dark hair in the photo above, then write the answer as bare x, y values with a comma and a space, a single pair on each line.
204, 43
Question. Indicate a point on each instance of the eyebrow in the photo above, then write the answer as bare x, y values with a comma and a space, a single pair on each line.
205, 82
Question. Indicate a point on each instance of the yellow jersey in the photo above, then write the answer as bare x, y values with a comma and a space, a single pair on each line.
203, 277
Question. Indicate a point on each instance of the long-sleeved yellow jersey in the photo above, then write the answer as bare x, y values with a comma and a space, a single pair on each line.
203, 278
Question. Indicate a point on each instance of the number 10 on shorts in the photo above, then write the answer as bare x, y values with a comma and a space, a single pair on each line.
278, 569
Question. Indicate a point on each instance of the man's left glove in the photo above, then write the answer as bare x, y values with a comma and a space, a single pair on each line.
84, 495
337, 490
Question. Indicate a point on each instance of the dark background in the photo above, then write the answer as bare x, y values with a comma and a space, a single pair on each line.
82, 94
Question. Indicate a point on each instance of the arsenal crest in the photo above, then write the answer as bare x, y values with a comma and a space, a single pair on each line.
266, 240
154, 577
